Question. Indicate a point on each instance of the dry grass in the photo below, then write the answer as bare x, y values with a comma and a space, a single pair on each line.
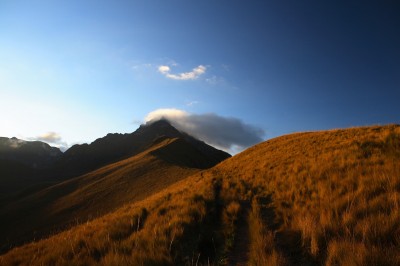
336, 191
94, 194
339, 189
262, 248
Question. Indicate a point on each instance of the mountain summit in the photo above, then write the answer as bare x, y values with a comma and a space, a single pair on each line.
93, 179
314, 198
25, 163
113, 147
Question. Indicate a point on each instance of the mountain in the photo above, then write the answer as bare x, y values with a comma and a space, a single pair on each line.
26, 165
311, 198
22, 163
128, 168
114, 147
35, 154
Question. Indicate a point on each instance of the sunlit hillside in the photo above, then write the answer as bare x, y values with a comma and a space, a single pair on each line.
335, 196
313, 198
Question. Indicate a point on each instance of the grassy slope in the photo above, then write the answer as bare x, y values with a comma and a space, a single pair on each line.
337, 192
96, 193
329, 198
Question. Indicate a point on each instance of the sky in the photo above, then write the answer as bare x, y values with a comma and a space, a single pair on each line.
231, 72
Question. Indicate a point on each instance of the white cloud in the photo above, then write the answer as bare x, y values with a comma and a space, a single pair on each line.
49, 137
168, 113
194, 74
164, 69
53, 139
227, 133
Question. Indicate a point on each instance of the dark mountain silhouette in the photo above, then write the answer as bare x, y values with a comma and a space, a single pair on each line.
23, 164
114, 147
35, 154
90, 180
165, 162
33, 164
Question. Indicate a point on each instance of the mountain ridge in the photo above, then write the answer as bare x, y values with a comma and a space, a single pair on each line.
101, 152
316, 198
82, 158
35, 154
161, 157
101, 190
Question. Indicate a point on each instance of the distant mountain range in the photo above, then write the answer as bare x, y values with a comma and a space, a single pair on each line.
52, 189
35, 154
113, 147
24, 163
311, 198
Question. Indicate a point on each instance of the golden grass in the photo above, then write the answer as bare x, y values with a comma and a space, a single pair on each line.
262, 248
331, 197
94, 194
339, 186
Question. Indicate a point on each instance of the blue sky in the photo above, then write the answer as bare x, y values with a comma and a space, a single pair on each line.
77, 70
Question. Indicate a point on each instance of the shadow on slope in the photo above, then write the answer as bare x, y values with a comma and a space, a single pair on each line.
88, 196
317, 198
81, 158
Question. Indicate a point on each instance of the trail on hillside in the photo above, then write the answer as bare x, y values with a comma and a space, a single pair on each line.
239, 255
287, 242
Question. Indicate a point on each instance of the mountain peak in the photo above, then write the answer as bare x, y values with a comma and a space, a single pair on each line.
114, 147
158, 128
160, 123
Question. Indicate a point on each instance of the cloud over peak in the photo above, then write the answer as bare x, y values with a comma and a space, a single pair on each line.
53, 139
194, 74
228, 133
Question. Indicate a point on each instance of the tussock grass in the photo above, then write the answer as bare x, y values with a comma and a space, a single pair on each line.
331, 198
262, 249
94, 194
339, 189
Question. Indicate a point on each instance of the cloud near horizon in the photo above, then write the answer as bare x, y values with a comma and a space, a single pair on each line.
53, 139
194, 74
227, 133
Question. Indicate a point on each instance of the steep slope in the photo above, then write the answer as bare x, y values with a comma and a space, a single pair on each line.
114, 147
98, 192
26, 167
315, 198
323, 197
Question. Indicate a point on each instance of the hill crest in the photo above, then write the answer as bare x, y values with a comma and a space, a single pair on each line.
166, 162
317, 198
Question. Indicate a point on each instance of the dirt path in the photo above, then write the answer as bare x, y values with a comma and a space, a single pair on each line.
239, 255
289, 243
